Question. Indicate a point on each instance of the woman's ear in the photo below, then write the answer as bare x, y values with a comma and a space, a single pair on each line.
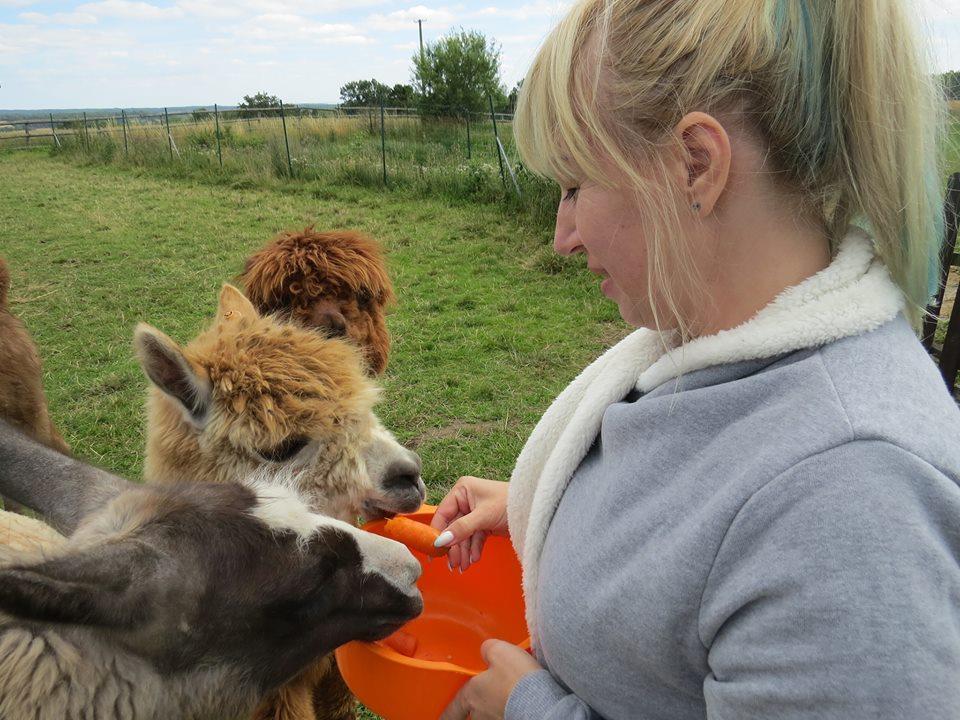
704, 167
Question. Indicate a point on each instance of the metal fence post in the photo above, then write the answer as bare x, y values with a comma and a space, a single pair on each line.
496, 141
53, 129
166, 118
123, 124
383, 141
26, 130
86, 134
283, 119
469, 149
216, 118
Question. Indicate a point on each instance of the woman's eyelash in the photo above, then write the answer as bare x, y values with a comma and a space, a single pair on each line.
571, 193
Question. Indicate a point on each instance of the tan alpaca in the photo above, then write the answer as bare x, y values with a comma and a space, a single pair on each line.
22, 400
253, 394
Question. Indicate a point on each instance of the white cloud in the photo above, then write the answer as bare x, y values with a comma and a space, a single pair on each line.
281, 28
73, 18
405, 19
131, 10
17, 3
538, 9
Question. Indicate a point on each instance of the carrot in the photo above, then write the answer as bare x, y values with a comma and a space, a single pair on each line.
415, 535
403, 643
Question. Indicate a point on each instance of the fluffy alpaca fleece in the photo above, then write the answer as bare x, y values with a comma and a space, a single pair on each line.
335, 280
245, 388
22, 400
262, 383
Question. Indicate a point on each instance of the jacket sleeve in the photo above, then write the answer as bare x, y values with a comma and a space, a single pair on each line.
539, 697
836, 593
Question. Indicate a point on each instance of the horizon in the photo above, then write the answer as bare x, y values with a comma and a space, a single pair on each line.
111, 54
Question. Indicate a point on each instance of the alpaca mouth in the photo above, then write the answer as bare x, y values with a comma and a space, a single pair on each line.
372, 511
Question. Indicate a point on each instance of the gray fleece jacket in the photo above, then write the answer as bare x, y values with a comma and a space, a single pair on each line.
772, 537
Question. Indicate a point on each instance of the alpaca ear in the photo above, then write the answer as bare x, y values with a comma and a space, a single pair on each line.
168, 369
107, 586
234, 305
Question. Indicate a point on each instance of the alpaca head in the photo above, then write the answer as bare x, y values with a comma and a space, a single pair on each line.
335, 281
215, 583
253, 394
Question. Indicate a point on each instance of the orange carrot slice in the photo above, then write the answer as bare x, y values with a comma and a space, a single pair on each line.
403, 643
415, 535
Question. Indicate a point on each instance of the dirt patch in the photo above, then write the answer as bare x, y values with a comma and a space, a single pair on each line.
455, 429
950, 294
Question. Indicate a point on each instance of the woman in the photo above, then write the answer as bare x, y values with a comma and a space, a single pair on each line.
749, 507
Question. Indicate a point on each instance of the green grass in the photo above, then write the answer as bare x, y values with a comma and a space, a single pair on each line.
488, 327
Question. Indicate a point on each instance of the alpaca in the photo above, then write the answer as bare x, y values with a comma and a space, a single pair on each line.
22, 400
179, 600
254, 392
336, 281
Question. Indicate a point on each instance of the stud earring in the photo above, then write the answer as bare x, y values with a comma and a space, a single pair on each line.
696, 207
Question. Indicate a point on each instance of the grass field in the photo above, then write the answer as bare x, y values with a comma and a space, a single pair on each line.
489, 326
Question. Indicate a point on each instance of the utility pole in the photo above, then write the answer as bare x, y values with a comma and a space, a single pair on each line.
420, 25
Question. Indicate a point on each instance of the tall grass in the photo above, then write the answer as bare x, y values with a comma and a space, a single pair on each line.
427, 157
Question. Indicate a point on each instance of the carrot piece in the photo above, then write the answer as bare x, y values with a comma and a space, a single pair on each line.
413, 534
403, 643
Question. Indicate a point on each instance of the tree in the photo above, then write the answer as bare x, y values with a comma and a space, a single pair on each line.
261, 102
457, 73
402, 96
951, 84
363, 93
201, 115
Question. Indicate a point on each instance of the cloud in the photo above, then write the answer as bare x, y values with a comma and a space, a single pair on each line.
16, 3
72, 18
405, 19
537, 9
281, 28
131, 10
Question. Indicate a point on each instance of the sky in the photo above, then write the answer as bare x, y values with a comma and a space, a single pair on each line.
151, 53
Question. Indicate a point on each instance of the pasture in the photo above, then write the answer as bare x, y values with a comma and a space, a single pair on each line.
488, 327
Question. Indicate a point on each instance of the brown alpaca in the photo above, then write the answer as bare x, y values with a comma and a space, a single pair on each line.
336, 281
255, 396
22, 400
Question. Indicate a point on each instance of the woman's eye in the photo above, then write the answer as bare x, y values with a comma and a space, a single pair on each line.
571, 193
285, 450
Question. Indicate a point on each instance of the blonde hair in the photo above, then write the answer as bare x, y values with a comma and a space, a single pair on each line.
838, 91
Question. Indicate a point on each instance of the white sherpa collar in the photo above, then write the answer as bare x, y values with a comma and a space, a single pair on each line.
852, 296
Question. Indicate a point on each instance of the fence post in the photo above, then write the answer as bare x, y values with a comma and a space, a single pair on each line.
166, 118
496, 141
86, 134
53, 129
26, 130
123, 124
469, 149
383, 141
216, 118
283, 119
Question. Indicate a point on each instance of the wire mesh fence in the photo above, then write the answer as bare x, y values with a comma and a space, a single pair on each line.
463, 153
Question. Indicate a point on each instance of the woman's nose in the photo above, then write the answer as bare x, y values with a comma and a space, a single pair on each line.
565, 238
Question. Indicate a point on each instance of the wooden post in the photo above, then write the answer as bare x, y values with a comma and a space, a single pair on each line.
469, 149
283, 119
123, 124
26, 130
216, 118
951, 204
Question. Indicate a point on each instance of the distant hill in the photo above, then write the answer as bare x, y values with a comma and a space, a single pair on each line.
7, 115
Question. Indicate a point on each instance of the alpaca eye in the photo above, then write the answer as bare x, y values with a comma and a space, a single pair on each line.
285, 450
364, 298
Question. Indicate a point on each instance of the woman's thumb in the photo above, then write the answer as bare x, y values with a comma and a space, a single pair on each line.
459, 530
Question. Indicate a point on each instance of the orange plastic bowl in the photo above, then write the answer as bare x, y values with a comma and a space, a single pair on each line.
460, 611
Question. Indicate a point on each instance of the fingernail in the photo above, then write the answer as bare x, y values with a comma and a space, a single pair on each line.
449, 566
460, 569
446, 537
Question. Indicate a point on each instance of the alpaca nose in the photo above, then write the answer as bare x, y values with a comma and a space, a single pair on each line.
335, 324
403, 473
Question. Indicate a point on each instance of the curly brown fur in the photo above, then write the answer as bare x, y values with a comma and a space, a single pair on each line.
22, 400
332, 280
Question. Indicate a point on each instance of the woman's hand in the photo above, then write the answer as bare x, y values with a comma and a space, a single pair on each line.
485, 696
473, 509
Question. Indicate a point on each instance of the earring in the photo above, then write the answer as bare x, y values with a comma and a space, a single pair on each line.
696, 207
